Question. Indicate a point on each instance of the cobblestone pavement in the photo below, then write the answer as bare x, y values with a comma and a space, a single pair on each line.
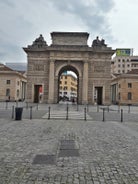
68, 152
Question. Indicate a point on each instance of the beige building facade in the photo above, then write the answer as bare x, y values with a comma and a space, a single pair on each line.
69, 51
125, 88
12, 84
68, 87
124, 64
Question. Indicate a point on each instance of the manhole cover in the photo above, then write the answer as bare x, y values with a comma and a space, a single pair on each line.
44, 159
68, 153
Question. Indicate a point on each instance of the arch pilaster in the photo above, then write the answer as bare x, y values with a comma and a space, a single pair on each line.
51, 82
85, 83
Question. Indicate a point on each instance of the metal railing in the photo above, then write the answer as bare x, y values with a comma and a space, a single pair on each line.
70, 111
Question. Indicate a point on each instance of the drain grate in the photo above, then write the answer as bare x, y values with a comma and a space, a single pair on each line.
44, 159
68, 149
69, 153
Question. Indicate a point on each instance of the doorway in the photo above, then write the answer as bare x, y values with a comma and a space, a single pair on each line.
99, 94
37, 93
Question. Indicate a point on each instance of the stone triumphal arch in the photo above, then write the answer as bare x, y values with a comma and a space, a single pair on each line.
69, 51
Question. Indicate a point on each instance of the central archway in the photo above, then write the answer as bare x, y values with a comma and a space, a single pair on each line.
72, 72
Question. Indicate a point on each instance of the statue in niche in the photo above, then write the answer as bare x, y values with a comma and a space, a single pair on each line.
98, 43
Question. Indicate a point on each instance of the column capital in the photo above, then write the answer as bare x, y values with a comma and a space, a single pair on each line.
52, 60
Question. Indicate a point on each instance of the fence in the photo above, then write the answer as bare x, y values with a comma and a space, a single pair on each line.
115, 113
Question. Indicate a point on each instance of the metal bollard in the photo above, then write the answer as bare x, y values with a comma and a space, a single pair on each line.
49, 112
129, 108
30, 112
67, 114
103, 114
13, 112
121, 115
6, 105
37, 106
26, 105
85, 118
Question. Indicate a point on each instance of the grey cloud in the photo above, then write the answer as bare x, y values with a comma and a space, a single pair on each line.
11, 53
105, 6
92, 13
7, 2
22, 21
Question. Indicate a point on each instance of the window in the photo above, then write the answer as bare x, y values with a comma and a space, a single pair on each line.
118, 60
129, 96
129, 85
128, 65
119, 85
65, 77
8, 92
8, 81
65, 82
17, 92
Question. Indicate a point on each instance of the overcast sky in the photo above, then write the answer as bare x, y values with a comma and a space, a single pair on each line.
22, 21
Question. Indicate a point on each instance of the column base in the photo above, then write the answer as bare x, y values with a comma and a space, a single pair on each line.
50, 101
84, 102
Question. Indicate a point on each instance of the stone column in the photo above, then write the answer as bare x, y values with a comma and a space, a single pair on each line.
85, 83
51, 82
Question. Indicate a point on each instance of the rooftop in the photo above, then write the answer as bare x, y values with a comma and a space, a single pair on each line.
134, 71
4, 68
17, 66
